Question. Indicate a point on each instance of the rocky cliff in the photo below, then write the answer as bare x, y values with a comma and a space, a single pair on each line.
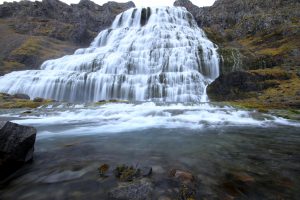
258, 36
252, 33
32, 32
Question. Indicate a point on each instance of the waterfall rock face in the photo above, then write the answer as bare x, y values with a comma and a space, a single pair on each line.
157, 54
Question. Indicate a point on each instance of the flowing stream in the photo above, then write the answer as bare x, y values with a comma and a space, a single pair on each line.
231, 152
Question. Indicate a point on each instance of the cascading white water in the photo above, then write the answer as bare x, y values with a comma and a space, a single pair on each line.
157, 54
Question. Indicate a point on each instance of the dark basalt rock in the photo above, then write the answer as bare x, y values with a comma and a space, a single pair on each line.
16, 146
38, 99
238, 85
21, 96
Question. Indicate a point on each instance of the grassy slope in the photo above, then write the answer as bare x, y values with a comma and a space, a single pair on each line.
20, 51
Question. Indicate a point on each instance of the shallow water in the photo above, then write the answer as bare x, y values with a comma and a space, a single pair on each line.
212, 142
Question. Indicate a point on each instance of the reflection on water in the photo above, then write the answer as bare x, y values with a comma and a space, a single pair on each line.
258, 160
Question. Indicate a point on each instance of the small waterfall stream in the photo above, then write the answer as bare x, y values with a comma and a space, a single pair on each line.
148, 54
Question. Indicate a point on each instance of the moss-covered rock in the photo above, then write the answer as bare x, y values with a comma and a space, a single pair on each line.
10, 101
127, 173
261, 89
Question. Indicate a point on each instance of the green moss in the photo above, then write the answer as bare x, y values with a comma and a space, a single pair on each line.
9, 102
31, 46
187, 193
275, 51
272, 73
8, 66
127, 173
214, 35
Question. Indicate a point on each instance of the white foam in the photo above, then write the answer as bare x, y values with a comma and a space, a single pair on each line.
122, 117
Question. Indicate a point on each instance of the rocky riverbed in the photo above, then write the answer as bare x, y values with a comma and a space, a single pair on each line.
158, 152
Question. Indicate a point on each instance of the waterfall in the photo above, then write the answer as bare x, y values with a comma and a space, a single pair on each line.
155, 54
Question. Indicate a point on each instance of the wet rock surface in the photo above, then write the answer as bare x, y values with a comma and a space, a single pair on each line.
137, 190
232, 86
16, 146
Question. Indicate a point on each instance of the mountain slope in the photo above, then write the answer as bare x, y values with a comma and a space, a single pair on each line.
32, 32
265, 33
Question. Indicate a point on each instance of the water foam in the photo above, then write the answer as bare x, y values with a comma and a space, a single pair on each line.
123, 117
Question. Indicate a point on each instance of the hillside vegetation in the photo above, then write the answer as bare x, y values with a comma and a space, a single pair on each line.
32, 32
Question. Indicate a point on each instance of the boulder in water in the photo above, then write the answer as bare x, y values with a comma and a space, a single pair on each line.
183, 176
138, 190
16, 146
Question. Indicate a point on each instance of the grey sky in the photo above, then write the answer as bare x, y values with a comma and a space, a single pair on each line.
141, 2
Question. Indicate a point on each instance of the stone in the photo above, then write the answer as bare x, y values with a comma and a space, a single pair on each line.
137, 190
243, 177
146, 172
38, 99
183, 176
241, 85
103, 169
187, 193
26, 112
127, 173
21, 96
16, 146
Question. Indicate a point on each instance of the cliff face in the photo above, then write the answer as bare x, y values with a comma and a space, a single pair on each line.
261, 37
261, 33
32, 32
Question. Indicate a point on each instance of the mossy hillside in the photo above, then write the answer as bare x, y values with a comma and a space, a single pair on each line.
44, 27
265, 35
40, 46
8, 66
21, 51
31, 47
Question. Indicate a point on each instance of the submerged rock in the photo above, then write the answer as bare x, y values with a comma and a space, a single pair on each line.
183, 176
127, 173
103, 169
16, 146
138, 190
130, 173
187, 192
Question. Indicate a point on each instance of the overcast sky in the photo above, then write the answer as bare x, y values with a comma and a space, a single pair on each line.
142, 2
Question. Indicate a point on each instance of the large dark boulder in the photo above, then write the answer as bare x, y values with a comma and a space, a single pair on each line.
16, 146
242, 84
